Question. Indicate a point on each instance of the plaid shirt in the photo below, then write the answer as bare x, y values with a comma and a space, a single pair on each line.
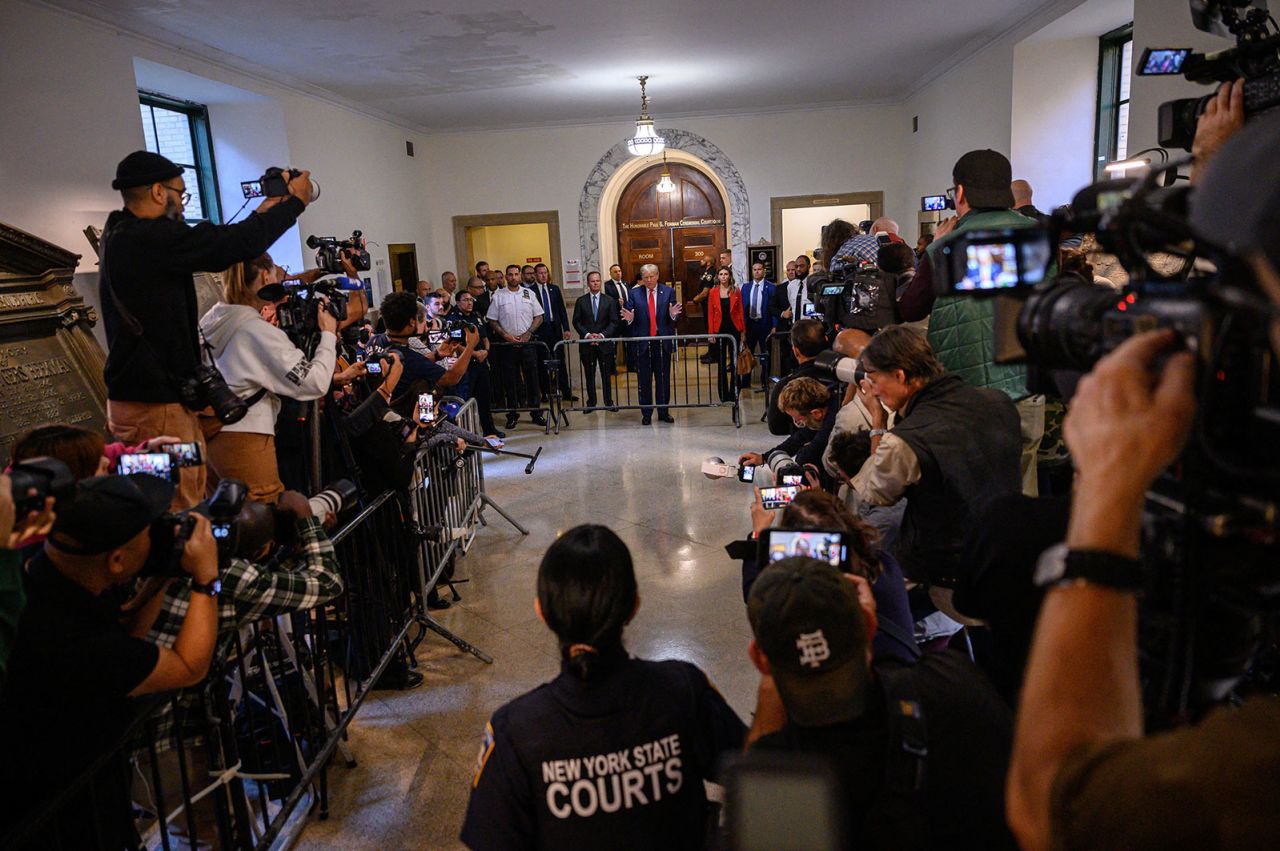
250, 593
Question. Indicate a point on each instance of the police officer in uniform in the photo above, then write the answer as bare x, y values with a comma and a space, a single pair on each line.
613, 752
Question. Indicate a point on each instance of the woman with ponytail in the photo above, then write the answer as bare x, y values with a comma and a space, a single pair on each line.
613, 752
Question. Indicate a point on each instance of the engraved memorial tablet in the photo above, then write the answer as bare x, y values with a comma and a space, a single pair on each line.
50, 363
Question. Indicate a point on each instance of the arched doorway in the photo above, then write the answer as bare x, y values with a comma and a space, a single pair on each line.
675, 230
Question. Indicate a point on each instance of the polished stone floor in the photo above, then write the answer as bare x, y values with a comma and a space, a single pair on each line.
416, 749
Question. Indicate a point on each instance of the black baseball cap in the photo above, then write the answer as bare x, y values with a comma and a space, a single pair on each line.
143, 168
985, 176
1237, 201
106, 512
807, 619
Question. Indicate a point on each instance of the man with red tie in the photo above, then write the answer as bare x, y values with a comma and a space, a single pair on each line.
653, 313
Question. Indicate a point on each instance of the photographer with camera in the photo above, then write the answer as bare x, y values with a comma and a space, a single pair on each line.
74, 667
812, 407
952, 449
808, 340
1082, 772
261, 363
155, 373
399, 314
478, 384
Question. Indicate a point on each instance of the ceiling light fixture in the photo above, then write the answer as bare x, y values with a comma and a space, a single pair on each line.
665, 184
646, 142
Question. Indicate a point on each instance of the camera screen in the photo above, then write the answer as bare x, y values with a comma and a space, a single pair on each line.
792, 480
184, 454
221, 531
746, 473
251, 188
158, 464
374, 367
824, 546
1163, 61
435, 338
1004, 263
774, 498
833, 289
810, 309
933, 203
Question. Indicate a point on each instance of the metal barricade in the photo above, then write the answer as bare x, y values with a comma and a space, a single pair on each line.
690, 383
513, 373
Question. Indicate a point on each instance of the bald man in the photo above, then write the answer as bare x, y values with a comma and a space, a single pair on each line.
1022, 193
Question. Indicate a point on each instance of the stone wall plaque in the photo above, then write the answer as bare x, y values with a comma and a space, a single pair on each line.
50, 364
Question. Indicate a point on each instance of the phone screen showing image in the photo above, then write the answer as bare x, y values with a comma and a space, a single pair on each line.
747, 473
775, 498
184, 454
426, 408
158, 464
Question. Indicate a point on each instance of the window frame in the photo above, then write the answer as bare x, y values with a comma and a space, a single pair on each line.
205, 167
1110, 82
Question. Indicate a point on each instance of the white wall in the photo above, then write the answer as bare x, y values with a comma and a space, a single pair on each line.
800, 153
1055, 88
1162, 23
69, 93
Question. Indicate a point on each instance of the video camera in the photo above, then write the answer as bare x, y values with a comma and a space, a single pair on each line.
33, 481
274, 183
296, 315
1255, 58
853, 296
329, 251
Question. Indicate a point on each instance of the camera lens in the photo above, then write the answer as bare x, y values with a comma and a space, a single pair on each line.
1061, 325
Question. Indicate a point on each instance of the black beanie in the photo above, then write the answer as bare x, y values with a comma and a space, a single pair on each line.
143, 168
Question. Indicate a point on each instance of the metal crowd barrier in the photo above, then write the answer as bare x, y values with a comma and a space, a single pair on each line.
241, 760
691, 383
545, 367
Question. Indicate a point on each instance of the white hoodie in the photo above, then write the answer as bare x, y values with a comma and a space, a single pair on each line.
252, 353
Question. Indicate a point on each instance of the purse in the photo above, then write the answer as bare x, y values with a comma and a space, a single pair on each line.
746, 361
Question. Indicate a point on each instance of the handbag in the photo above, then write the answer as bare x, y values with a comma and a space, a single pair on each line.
746, 361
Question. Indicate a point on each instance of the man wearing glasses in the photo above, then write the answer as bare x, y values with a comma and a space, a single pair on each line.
149, 308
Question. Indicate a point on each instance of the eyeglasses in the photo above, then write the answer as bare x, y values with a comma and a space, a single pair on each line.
185, 197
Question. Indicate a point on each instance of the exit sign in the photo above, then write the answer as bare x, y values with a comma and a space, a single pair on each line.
533, 259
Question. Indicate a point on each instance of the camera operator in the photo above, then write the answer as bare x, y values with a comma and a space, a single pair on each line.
399, 312
148, 299
477, 384
812, 407
74, 666
962, 330
260, 364
952, 449
1082, 772
808, 340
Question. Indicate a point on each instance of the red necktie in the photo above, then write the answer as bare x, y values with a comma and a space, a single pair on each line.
653, 316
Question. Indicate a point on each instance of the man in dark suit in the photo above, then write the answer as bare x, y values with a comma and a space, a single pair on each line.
554, 328
597, 316
617, 288
757, 310
652, 314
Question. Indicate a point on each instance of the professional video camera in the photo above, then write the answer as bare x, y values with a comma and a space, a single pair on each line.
1210, 529
330, 250
296, 315
856, 295
1255, 58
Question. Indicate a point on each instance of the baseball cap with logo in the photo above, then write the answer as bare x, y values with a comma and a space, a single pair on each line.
806, 618
985, 176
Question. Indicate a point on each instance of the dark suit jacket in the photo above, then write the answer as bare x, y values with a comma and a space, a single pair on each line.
621, 292
554, 325
664, 297
607, 323
779, 304
766, 305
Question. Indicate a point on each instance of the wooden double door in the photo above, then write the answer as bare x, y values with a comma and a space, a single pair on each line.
676, 231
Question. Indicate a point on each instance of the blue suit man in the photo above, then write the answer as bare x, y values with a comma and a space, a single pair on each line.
653, 312
756, 296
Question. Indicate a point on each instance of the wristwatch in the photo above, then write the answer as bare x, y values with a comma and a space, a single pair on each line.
878, 432
1059, 565
213, 589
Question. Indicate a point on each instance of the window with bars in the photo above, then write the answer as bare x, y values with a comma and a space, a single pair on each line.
179, 130
1115, 66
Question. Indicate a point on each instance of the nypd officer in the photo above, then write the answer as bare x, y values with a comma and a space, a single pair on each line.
613, 752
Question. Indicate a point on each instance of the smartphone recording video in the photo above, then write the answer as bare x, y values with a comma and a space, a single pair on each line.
184, 454
824, 545
158, 464
426, 408
775, 498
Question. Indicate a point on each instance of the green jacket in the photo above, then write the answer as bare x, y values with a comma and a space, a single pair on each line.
960, 327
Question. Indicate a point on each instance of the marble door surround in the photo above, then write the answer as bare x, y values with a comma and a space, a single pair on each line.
611, 174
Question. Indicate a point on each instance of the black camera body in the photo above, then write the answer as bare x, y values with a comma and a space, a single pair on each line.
296, 315
1255, 59
854, 296
172, 530
35, 480
208, 389
329, 251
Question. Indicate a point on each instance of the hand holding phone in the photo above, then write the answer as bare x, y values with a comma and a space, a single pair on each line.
426, 408
183, 454
158, 464
779, 497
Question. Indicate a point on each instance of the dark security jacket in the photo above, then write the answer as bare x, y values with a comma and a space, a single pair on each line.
616, 762
150, 263
968, 441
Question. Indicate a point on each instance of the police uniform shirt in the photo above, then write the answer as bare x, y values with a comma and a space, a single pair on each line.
617, 762
514, 311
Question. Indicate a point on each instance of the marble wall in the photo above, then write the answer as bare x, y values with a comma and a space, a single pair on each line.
681, 140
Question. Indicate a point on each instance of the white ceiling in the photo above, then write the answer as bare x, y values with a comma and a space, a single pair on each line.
441, 65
